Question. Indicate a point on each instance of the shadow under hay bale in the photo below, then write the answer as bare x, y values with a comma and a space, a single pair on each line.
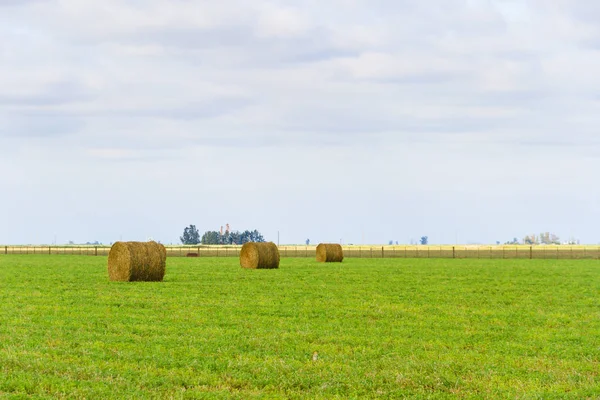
137, 261
259, 256
330, 252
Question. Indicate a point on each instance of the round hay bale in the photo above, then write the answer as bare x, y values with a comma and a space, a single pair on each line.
259, 255
137, 261
330, 252
158, 260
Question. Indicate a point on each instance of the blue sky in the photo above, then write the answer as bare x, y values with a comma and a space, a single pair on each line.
351, 120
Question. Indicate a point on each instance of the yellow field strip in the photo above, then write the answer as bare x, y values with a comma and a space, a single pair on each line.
489, 252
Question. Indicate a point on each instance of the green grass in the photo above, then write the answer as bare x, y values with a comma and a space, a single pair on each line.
383, 328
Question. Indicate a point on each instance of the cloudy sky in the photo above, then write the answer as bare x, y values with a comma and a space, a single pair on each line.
353, 120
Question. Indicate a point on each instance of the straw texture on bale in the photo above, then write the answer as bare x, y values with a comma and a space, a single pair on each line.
137, 261
259, 255
330, 252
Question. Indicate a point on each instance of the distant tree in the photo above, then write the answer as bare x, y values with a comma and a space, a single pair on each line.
549, 238
572, 241
391, 242
307, 242
255, 236
424, 240
225, 238
211, 237
497, 242
190, 235
396, 242
234, 238
543, 238
231, 237
531, 240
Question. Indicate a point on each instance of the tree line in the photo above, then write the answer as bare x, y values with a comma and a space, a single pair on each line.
191, 236
542, 238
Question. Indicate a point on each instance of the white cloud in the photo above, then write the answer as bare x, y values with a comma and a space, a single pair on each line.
393, 113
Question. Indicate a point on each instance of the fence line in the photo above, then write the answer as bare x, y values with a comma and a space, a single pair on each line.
459, 252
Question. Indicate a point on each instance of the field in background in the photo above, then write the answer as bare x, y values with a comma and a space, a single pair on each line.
566, 252
380, 328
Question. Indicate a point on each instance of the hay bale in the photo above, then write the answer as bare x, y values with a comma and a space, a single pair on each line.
137, 261
158, 264
259, 255
330, 252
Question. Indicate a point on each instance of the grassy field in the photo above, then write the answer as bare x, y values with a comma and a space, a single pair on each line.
382, 328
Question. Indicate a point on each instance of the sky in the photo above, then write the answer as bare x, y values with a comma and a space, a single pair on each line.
353, 121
